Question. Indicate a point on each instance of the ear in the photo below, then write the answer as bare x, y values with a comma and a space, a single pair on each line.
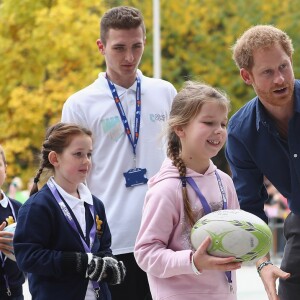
53, 158
101, 47
179, 130
246, 76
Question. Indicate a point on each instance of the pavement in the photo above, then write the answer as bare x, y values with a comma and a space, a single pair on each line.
249, 284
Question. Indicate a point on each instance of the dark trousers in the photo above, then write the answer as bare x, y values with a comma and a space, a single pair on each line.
135, 285
290, 289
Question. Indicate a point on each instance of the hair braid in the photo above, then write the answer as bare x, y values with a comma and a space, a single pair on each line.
36, 179
173, 153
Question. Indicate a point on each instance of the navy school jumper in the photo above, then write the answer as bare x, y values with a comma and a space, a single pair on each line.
41, 240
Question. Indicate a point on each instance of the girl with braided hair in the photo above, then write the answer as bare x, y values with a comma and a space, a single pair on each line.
179, 194
62, 237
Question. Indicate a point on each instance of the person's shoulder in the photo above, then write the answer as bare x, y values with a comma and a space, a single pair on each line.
245, 116
99, 206
95, 88
97, 201
15, 202
224, 176
39, 197
157, 82
167, 188
297, 84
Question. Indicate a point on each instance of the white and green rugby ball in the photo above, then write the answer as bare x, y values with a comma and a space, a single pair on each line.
233, 232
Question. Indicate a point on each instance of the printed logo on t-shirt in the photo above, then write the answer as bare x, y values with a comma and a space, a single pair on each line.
113, 127
158, 117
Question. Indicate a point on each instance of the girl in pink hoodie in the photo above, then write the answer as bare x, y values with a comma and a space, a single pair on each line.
187, 187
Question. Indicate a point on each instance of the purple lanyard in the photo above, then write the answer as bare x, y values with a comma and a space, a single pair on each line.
71, 222
3, 259
207, 208
201, 197
117, 100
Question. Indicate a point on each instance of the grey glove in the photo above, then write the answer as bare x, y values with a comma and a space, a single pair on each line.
106, 268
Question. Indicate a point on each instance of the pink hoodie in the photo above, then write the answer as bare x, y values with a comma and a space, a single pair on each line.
163, 248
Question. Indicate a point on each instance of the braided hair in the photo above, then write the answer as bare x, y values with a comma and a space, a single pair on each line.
58, 137
186, 105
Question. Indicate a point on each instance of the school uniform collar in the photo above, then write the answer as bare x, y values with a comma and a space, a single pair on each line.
4, 201
84, 192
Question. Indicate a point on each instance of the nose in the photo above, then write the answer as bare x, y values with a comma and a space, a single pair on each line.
279, 78
219, 129
86, 159
129, 55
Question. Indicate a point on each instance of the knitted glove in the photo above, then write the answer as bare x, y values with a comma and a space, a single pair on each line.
96, 269
106, 268
115, 270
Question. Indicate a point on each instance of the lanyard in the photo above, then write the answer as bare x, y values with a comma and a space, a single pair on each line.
137, 122
201, 197
2, 257
207, 208
71, 222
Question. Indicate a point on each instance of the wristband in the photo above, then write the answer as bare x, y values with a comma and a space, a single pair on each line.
195, 270
263, 264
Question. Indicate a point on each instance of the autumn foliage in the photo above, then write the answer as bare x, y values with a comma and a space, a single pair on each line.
48, 51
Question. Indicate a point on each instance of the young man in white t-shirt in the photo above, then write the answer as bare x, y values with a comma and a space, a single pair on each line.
126, 112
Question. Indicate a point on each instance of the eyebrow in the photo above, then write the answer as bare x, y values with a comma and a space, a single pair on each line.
211, 117
122, 45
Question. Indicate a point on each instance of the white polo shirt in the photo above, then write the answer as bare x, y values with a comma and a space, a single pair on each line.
94, 108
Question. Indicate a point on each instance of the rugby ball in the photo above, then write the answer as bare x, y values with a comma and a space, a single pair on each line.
233, 232
11, 228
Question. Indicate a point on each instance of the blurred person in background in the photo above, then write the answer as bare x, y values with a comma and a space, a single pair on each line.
15, 190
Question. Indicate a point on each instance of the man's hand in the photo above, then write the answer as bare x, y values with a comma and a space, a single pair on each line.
269, 274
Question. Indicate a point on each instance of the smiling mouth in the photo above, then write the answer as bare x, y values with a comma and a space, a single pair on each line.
214, 142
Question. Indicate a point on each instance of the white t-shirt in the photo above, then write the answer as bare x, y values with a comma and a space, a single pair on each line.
94, 108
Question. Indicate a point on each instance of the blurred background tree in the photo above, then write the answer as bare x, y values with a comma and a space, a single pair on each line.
48, 51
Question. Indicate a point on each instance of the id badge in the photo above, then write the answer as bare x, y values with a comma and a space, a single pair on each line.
135, 177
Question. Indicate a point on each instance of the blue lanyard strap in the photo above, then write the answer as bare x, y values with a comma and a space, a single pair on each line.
133, 141
72, 223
